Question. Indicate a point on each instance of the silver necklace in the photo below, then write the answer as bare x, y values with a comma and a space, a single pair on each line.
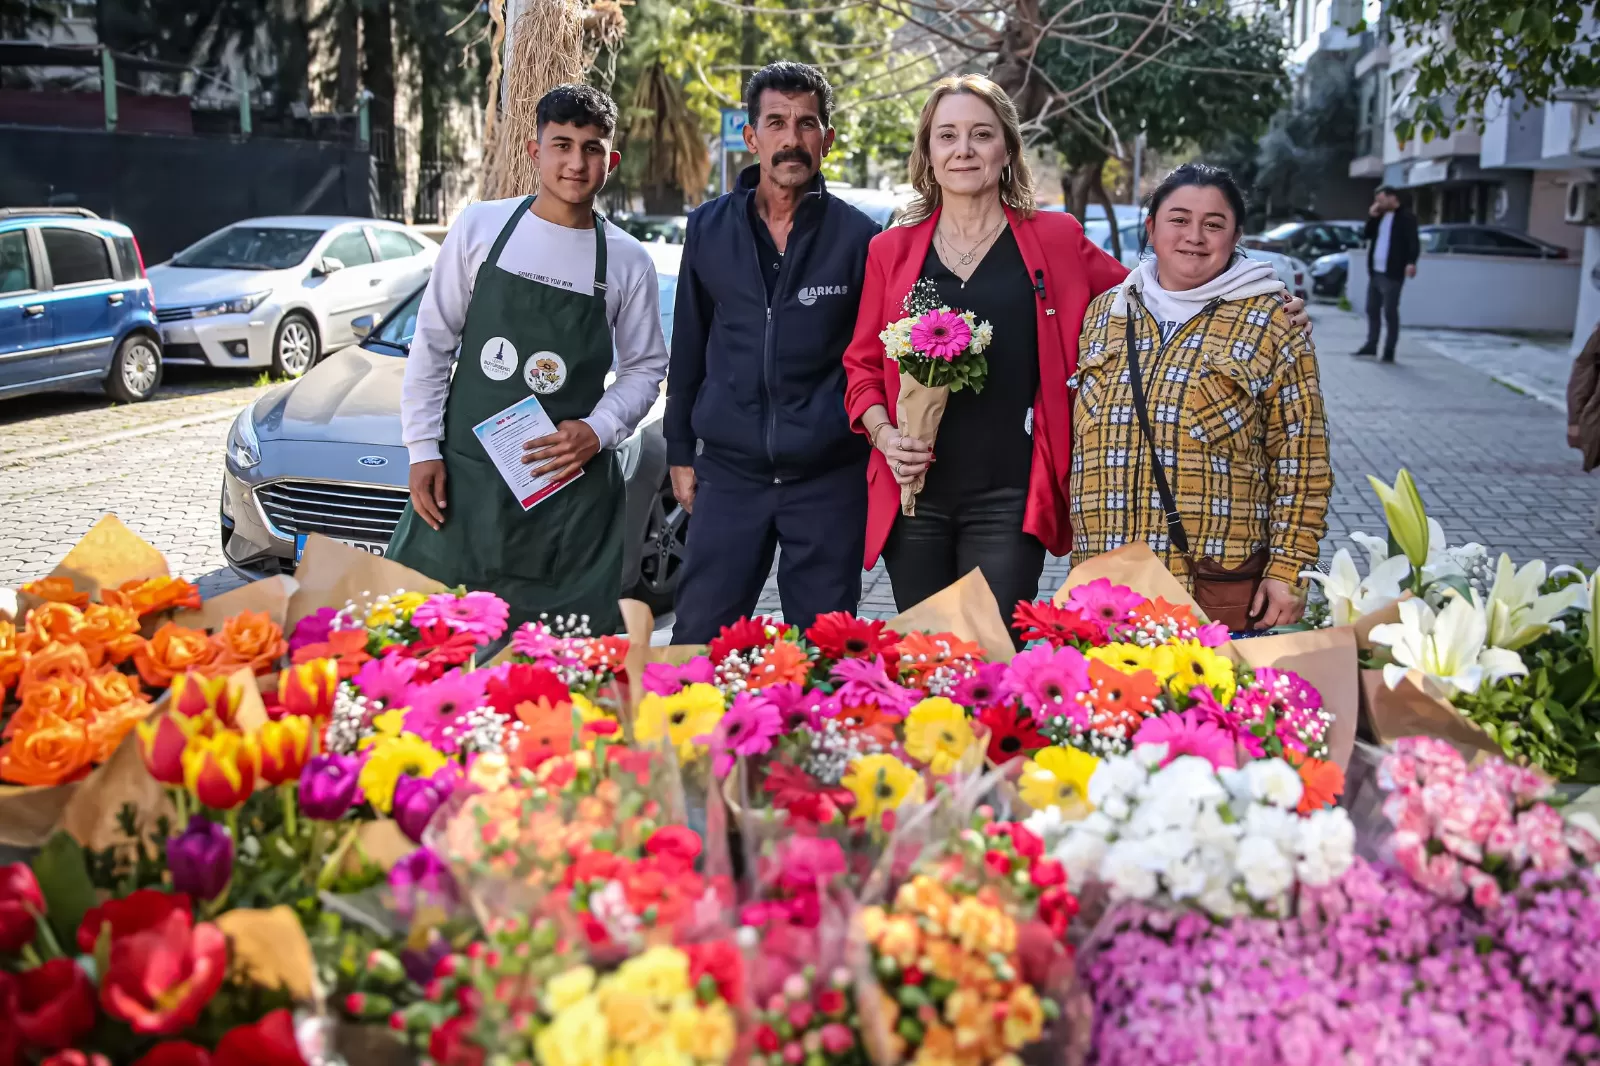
966, 258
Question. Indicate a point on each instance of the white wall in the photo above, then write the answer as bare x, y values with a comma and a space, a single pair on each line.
1589, 290
1482, 292
1547, 209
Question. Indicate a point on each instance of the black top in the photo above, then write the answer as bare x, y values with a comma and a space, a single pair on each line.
767, 253
986, 439
1405, 245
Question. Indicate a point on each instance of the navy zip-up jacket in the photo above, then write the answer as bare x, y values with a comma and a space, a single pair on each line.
757, 388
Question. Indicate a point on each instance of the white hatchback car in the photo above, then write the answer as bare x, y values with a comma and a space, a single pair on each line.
277, 292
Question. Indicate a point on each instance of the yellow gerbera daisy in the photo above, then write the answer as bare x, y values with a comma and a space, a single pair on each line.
392, 610
937, 733
392, 756
1129, 658
1058, 777
1185, 664
680, 718
881, 783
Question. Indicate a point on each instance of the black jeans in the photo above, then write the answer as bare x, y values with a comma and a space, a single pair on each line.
1383, 299
944, 540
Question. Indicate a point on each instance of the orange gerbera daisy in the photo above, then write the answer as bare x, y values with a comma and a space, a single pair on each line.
112, 630
869, 720
1322, 778
783, 663
170, 652
920, 654
1117, 700
57, 590
347, 646
545, 731
50, 752
1171, 615
153, 594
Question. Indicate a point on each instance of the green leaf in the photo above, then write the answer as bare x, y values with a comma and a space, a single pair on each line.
63, 877
1513, 21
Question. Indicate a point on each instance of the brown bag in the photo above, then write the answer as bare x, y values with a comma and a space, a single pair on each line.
1223, 593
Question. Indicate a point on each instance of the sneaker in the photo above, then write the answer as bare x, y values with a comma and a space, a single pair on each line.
1388, 357
1365, 352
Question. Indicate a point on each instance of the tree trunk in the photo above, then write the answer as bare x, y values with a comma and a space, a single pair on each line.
1077, 182
377, 38
1013, 68
347, 46
293, 26
1103, 198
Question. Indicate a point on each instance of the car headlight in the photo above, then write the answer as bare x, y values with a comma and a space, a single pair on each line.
239, 305
244, 446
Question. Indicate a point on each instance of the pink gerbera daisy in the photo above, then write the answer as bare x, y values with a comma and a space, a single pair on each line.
1048, 679
482, 614
941, 334
986, 686
746, 730
1210, 709
665, 679
435, 707
1188, 734
864, 681
798, 708
388, 681
1106, 605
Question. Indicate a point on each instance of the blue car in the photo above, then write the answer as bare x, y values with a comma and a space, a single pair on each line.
75, 306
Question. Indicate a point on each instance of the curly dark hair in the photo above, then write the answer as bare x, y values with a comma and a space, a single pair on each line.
577, 105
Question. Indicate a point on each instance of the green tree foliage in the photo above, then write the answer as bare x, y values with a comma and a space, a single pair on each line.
1477, 50
1202, 73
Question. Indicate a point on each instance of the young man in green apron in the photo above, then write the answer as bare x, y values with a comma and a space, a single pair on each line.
535, 293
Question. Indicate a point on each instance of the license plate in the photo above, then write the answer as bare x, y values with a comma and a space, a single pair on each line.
369, 546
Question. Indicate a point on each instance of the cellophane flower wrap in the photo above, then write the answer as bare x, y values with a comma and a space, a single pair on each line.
608, 937
939, 350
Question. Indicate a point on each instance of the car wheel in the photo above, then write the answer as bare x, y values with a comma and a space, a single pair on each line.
135, 369
666, 539
294, 349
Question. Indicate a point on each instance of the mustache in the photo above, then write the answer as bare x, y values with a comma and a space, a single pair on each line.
792, 155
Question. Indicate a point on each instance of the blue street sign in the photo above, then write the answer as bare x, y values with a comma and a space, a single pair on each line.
733, 120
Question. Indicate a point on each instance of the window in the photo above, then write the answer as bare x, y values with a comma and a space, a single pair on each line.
127, 258
16, 271
669, 303
350, 248
250, 248
397, 331
76, 256
392, 244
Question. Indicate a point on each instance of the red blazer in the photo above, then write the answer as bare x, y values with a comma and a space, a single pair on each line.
1074, 272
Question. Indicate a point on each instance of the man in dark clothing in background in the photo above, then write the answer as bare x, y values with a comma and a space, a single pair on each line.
1392, 250
760, 449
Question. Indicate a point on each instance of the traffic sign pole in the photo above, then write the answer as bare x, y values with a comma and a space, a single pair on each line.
731, 138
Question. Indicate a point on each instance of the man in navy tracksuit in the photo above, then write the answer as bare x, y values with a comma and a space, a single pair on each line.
761, 451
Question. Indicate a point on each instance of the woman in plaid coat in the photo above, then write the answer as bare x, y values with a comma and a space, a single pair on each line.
1222, 389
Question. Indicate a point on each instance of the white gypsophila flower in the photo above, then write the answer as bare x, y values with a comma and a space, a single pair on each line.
1274, 781
1080, 853
1126, 868
1266, 870
1325, 845
1049, 825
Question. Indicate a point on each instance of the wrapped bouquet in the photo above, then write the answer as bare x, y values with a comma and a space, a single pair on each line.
940, 351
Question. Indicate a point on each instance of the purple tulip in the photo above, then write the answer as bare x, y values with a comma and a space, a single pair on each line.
201, 859
328, 786
415, 801
422, 879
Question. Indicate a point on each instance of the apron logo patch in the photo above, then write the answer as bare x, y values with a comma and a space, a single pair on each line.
498, 359
545, 372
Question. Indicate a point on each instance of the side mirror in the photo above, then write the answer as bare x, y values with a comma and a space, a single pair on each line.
326, 265
362, 327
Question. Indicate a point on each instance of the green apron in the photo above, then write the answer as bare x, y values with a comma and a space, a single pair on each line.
564, 556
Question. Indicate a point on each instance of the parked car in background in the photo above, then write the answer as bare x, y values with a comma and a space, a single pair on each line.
75, 305
1294, 274
323, 455
1329, 272
654, 229
278, 292
1461, 238
883, 206
1308, 240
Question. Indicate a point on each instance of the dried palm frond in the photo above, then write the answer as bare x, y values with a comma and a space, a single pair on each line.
668, 132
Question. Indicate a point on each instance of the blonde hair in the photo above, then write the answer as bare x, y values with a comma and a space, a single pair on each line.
1016, 181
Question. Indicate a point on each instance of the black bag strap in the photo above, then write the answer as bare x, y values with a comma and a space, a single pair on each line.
1169, 505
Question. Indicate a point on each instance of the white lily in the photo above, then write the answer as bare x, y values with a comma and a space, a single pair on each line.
1516, 613
1443, 559
1349, 595
1447, 647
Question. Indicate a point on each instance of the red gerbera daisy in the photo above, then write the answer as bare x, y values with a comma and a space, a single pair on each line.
437, 648
526, 683
1059, 625
605, 652
1011, 732
804, 797
743, 635
841, 635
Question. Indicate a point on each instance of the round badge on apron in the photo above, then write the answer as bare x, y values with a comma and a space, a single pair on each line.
498, 359
545, 372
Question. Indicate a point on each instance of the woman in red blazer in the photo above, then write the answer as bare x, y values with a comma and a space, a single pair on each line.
996, 496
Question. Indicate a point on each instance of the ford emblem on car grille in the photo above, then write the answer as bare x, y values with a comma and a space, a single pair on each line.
373, 460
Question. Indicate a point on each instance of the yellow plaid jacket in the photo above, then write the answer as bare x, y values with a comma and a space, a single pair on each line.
1236, 411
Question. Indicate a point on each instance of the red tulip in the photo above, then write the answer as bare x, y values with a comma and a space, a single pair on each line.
159, 981
308, 689
76, 1058
162, 740
175, 1053
20, 901
134, 913
55, 1005
451, 1043
284, 747
221, 770
194, 694
269, 1042
10, 1037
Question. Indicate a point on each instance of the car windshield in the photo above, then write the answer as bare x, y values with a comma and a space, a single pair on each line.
250, 248
1282, 230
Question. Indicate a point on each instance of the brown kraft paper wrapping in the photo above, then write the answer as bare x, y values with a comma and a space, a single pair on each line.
968, 610
1408, 711
918, 412
331, 574
1135, 566
269, 596
109, 555
637, 623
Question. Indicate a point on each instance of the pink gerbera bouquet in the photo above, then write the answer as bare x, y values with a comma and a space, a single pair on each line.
939, 351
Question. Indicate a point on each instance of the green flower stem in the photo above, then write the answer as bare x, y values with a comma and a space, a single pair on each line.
286, 795
47, 939
180, 800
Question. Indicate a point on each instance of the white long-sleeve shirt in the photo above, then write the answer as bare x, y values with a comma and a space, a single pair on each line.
555, 255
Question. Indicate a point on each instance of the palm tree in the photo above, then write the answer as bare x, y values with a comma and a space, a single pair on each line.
666, 130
